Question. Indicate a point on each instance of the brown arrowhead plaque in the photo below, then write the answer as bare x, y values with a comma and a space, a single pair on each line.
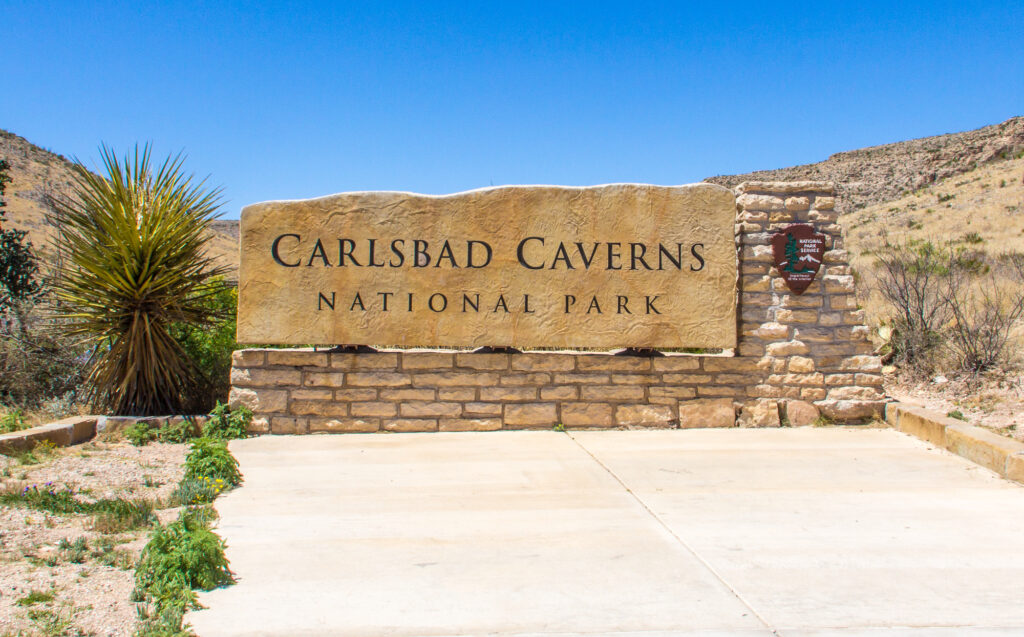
798, 251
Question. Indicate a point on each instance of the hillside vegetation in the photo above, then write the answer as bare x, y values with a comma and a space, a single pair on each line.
37, 173
982, 209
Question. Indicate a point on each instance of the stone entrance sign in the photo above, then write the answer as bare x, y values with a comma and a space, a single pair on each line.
526, 266
796, 356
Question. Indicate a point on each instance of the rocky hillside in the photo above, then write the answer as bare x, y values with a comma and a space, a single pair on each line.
37, 173
883, 173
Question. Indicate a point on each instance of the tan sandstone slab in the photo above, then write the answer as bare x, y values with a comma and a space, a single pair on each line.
620, 265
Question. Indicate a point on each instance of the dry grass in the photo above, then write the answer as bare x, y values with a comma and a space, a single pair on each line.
982, 209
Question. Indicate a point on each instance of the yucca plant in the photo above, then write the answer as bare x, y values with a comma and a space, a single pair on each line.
133, 262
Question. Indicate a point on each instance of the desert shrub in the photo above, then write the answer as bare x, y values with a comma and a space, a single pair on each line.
210, 347
19, 269
37, 365
226, 423
59, 406
132, 248
210, 458
985, 310
950, 305
910, 278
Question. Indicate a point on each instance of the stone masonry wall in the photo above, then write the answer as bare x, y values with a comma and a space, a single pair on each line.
798, 358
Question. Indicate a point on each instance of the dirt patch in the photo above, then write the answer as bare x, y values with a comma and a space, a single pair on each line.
58, 574
994, 401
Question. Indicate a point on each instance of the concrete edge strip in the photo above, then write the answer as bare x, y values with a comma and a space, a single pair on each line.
63, 433
678, 539
1000, 454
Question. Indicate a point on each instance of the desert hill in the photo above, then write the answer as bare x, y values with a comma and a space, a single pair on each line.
882, 173
37, 173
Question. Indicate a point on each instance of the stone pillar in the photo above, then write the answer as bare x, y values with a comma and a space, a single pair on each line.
814, 348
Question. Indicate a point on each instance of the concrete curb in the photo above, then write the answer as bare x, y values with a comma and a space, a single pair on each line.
62, 433
992, 451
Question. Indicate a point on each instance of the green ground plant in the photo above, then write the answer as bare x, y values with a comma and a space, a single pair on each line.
40, 452
210, 458
176, 431
140, 434
132, 247
185, 556
13, 420
110, 515
179, 559
202, 490
823, 421
121, 515
75, 552
105, 551
223, 423
226, 423
52, 621
35, 597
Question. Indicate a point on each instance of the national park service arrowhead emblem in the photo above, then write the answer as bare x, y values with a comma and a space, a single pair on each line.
798, 251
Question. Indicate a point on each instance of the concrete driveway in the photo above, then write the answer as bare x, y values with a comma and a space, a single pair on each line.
815, 531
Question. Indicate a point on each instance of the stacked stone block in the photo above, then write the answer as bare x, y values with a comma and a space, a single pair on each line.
798, 358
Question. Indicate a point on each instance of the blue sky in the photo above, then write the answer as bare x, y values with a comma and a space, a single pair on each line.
283, 101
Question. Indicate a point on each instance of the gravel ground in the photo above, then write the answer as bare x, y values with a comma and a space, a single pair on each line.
44, 590
994, 401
